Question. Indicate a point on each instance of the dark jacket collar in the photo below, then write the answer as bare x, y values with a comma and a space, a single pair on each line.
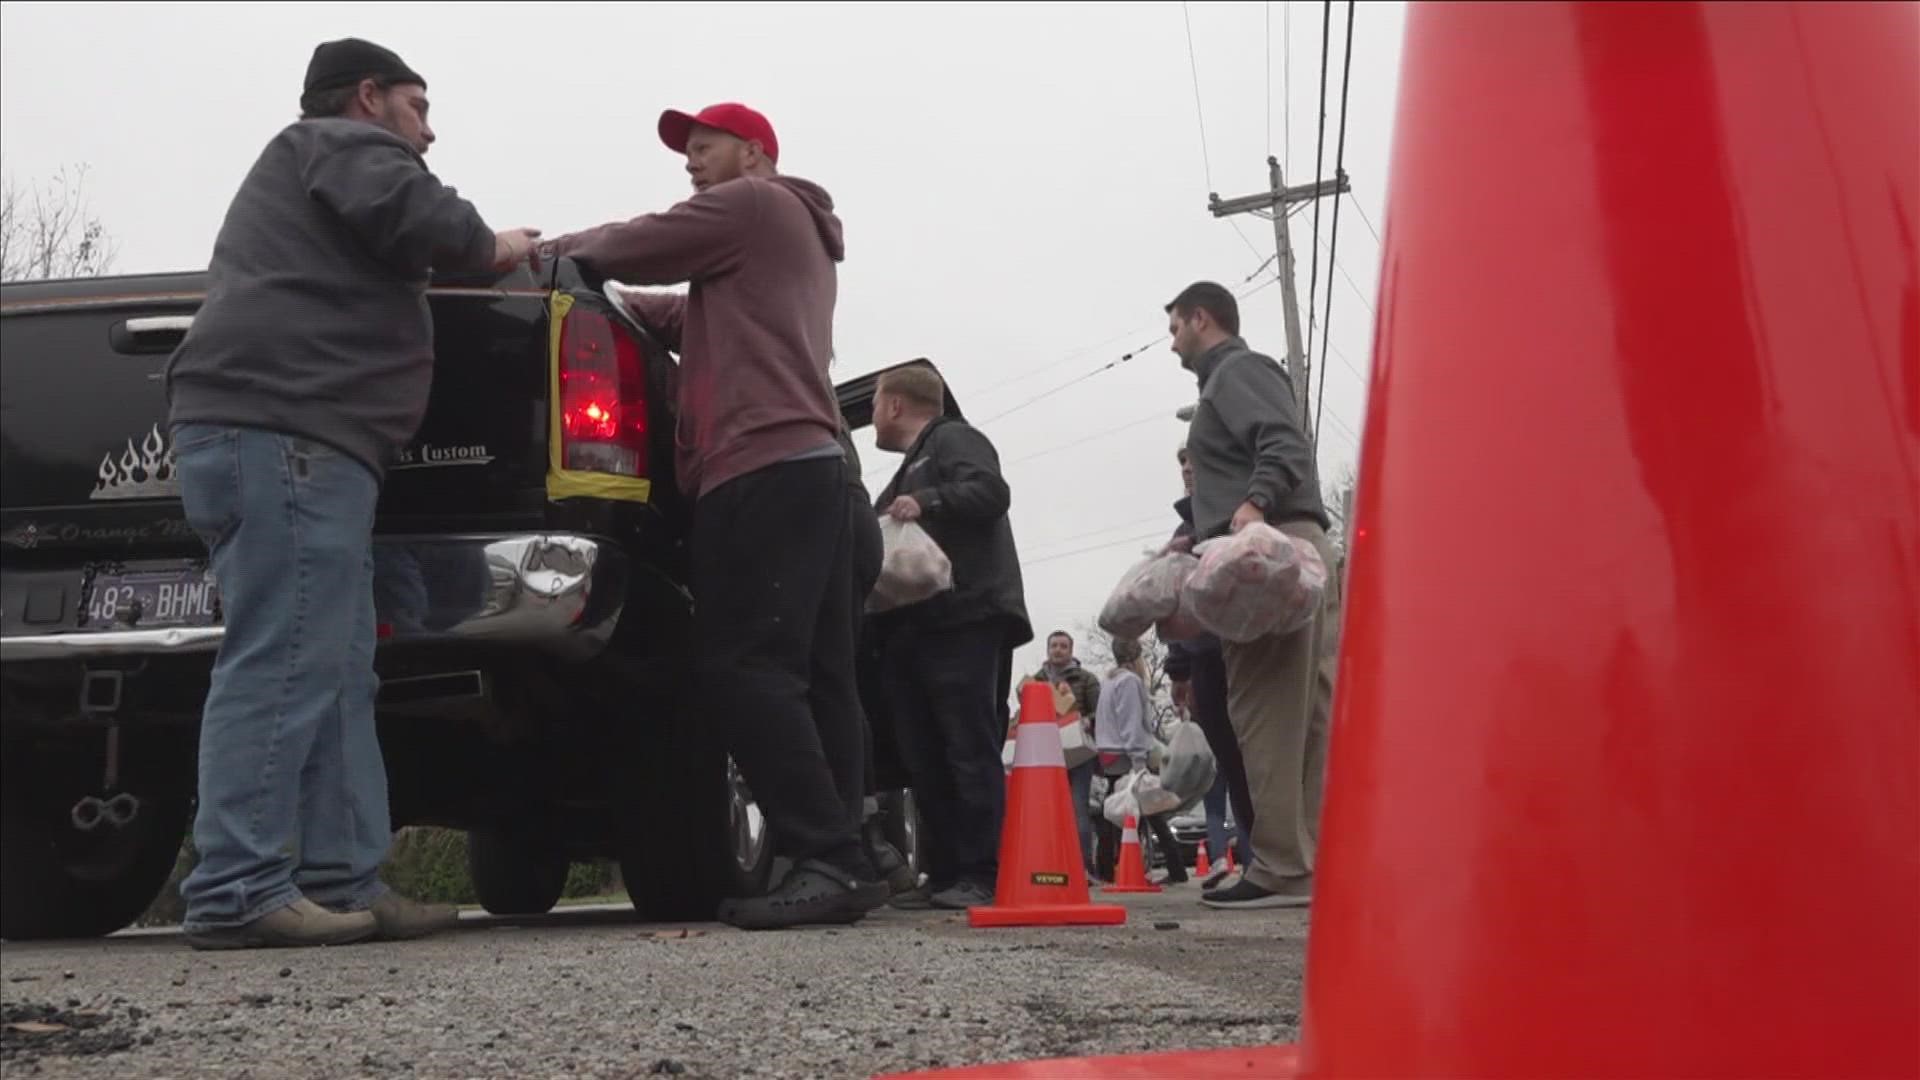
1184, 507
1211, 360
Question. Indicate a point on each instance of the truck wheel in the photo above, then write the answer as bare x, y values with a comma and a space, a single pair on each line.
709, 843
59, 882
515, 873
901, 816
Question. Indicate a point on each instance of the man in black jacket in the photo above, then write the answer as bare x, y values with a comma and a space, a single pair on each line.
948, 660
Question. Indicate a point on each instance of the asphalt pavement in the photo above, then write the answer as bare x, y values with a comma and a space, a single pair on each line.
595, 993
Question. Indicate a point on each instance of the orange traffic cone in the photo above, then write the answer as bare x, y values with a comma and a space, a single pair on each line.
1201, 867
1131, 875
1232, 863
1043, 880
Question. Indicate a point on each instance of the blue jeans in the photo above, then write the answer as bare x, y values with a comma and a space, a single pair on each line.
1216, 805
1080, 782
293, 788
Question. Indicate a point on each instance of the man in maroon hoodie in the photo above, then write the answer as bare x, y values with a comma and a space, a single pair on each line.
757, 449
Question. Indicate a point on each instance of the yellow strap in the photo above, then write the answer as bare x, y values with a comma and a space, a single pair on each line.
564, 483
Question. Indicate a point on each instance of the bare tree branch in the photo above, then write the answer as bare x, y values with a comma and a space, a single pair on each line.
49, 230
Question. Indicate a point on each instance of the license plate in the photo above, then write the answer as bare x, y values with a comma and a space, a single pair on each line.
152, 599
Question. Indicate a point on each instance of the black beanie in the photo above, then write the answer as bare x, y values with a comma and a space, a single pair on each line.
345, 62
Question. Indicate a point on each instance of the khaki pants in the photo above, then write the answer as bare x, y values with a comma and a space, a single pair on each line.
1280, 699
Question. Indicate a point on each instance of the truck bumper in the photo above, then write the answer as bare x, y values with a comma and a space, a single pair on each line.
556, 593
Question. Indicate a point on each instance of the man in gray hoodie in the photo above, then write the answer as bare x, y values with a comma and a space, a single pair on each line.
305, 373
757, 448
1252, 462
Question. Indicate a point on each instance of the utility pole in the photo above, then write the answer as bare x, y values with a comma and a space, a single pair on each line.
1275, 203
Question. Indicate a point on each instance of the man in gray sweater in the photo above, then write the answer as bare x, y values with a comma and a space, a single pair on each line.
305, 374
1252, 461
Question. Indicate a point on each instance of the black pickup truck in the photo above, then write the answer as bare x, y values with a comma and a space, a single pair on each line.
530, 560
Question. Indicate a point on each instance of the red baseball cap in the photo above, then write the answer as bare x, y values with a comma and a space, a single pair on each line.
734, 119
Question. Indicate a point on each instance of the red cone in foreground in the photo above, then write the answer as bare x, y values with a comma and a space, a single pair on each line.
1131, 875
1625, 774
1043, 880
1201, 867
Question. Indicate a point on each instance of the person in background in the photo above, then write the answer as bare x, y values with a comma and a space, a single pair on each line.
305, 374
1252, 462
868, 554
1123, 733
1198, 672
947, 661
1063, 669
759, 452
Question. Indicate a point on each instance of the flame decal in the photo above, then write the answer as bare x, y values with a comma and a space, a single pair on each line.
143, 473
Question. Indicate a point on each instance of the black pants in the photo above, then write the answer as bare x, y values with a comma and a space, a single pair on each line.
950, 722
1209, 681
868, 553
773, 624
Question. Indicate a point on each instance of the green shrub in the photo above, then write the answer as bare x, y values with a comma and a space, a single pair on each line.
427, 864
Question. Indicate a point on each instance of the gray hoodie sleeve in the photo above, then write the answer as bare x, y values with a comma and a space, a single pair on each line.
400, 212
1255, 402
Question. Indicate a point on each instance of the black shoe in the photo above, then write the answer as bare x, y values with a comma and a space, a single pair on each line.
1246, 896
889, 863
813, 894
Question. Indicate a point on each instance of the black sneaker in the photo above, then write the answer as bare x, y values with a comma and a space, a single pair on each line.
917, 899
813, 894
1246, 896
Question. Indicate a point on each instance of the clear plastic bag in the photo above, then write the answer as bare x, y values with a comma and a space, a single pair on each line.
912, 569
1256, 583
1182, 625
1190, 769
1120, 803
1147, 593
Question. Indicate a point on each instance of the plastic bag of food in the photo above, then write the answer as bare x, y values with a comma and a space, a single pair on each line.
1120, 802
1190, 768
1256, 583
1182, 625
1147, 593
1152, 797
912, 568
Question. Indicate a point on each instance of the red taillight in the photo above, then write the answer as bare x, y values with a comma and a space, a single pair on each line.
603, 397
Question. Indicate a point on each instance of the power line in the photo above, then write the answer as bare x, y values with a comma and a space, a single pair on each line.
1157, 414
1319, 164
1108, 366
1165, 516
1097, 547
1193, 64
1362, 211
1333, 245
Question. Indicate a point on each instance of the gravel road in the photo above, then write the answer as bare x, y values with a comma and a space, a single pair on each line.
594, 993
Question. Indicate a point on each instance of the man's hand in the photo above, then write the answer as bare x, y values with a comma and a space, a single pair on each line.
1247, 515
1183, 695
905, 508
510, 246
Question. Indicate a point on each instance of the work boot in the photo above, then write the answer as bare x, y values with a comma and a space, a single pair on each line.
301, 924
813, 894
403, 919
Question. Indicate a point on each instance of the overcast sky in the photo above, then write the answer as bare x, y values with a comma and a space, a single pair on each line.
1023, 187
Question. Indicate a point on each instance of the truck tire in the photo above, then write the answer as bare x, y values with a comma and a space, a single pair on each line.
515, 872
57, 882
679, 856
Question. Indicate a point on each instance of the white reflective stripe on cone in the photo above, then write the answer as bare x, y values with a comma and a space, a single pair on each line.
1037, 746
1130, 835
